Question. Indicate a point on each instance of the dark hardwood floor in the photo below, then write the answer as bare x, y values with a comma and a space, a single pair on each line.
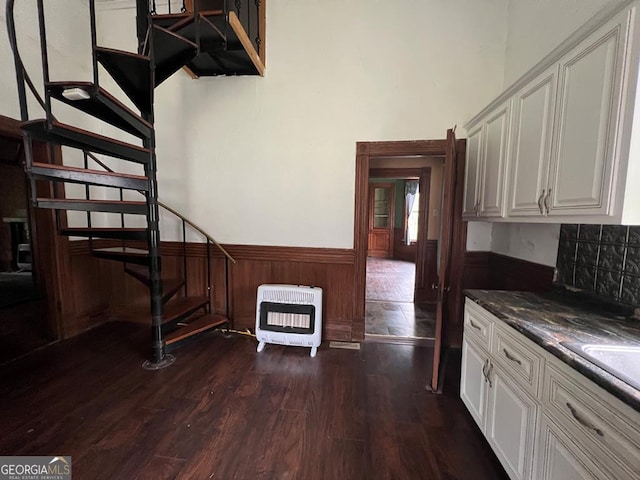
222, 411
21, 329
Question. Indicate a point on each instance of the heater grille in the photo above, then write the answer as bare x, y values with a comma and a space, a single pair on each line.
286, 319
288, 296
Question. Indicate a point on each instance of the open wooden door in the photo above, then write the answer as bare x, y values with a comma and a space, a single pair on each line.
446, 236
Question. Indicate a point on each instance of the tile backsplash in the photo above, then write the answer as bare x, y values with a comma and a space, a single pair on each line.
602, 259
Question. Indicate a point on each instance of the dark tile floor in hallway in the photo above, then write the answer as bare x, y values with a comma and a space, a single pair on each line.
400, 319
389, 309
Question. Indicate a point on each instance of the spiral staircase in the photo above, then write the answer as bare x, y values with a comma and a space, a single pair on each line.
205, 38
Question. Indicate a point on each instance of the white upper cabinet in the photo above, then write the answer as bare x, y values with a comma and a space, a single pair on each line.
487, 145
587, 121
472, 172
533, 114
569, 151
494, 162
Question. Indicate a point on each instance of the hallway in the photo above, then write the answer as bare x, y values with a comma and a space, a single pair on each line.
389, 309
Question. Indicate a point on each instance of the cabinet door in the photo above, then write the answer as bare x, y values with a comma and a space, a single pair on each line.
472, 172
559, 458
532, 127
494, 162
511, 424
473, 387
587, 121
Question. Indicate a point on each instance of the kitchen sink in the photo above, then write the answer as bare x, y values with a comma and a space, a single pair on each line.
621, 361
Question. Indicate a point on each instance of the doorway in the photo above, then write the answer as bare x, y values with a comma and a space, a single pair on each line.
400, 300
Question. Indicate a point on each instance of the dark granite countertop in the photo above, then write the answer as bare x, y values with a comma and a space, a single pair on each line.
554, 317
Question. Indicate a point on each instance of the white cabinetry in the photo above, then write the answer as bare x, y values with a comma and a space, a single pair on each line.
472, 173
486, 162
543, 420
588, 113
534, 109
511, 423
505, 413
560, 458
492, 180
473, 383
572, 133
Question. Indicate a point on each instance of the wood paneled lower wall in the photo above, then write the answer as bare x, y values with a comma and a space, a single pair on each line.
492, 271
330, 269
102, 290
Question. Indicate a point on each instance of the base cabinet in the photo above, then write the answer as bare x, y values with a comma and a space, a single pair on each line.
473, 384
511, 424
543, 419
559, 457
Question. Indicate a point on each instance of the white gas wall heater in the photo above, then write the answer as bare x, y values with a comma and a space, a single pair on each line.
289, 315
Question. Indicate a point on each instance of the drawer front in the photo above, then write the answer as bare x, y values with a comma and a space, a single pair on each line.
593, 418
477, 323
519, 360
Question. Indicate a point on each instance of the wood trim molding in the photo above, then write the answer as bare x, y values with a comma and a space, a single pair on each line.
398, 148
405, 173
343, 256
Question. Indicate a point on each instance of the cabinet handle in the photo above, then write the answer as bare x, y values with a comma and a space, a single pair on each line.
489, 370
484, 369
540, 201
511, 357
583, 421
477, 327
478, 209
546, 201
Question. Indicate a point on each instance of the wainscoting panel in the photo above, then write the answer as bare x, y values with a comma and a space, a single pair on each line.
330, 269
492, 271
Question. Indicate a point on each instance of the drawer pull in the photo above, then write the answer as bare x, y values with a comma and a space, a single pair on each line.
540, 202
484, 369
584, 422
511, 357
477, 327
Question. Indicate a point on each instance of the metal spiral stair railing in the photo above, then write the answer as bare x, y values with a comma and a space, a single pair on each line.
92, 99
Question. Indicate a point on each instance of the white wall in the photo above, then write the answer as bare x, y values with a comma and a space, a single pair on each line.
271, 160
536, 243
69, 52
537, 27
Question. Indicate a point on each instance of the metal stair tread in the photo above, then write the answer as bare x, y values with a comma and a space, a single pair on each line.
240, 56
171, 52
199, 325
63, 134
129, 233
131, 71
124, 250
123, 254
169, 285
182, 307
101, 104
88, 176
108, 206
